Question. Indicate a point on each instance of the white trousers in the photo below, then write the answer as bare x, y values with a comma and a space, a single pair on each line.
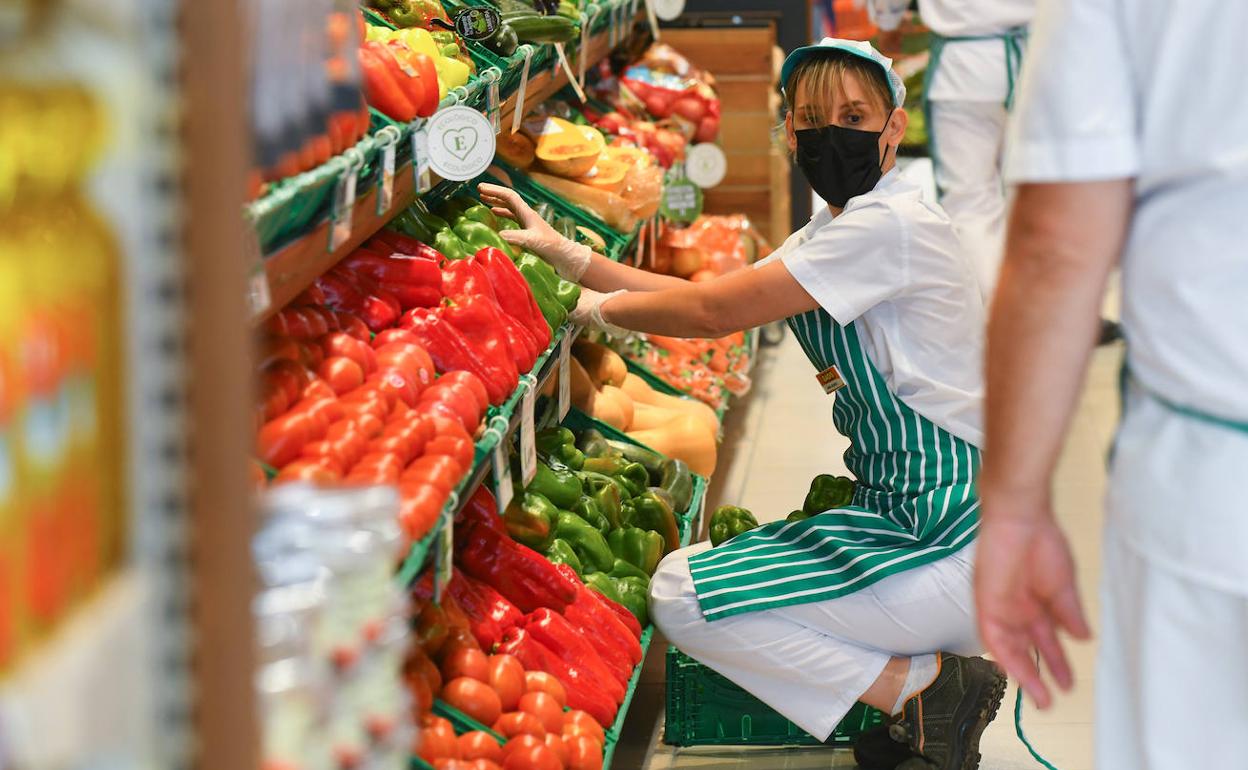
811, 662
966, 141
1172, 676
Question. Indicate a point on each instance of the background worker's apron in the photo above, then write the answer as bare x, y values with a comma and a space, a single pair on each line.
914, 504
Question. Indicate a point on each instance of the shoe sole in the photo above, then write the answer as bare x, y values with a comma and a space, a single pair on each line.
984, 706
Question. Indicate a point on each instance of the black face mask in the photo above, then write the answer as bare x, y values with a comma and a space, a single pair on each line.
840, 163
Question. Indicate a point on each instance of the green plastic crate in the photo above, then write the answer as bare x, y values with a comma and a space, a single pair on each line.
705, 709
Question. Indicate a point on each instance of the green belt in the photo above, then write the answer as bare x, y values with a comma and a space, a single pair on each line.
1239, 426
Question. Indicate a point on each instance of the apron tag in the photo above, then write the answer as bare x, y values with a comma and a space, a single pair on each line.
831, 379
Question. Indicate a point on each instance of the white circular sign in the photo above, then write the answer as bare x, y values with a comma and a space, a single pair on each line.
706, 165
461, 143
668, 10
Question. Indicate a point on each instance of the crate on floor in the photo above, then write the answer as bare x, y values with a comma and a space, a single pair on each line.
705, 709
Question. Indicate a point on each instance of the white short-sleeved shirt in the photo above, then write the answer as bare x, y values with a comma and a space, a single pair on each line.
970, 70
1154, 90
892, 262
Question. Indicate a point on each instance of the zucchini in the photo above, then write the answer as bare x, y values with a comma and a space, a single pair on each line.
653, 461
677, 481
544, 29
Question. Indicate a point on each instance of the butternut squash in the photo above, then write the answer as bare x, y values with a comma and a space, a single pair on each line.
583, 388
684, 438
622, 401
606, 408
604, 365
646, 416
641, 392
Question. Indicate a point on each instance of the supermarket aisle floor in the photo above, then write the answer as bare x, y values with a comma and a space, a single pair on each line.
784, 438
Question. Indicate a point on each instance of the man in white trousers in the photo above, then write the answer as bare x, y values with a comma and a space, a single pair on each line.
977, 49
1130, 144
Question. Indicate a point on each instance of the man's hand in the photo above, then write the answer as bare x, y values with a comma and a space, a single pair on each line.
1025, 591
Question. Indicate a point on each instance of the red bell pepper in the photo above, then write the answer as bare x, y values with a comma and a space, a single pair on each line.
513, 294
392, 241
593, 609
487, 611
478, 319
482, 508
414, 281
382, 89
614, 644
522, 575
451, 351
470, 278
553, 630
344, 294
580, 687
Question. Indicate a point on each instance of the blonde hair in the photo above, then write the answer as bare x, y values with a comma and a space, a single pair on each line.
826, 72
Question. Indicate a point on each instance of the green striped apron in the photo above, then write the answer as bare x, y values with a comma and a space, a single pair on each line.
915, 501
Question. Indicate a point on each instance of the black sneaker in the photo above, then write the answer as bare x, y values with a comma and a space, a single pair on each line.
942, 724
875, 749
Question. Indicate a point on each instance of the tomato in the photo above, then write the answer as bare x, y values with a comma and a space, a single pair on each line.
485, 764
258, 477
544, 706
326, 314
576, 722
352, 325
318, 470
394, 335
431, 629
474, 384
317, 323
459, 398
522, 741
474, 698
311, 355
437, 740
344, 344
289, 375
376, 468
584, 753
342, 373
467, 662
479, 744
397, 384
458, 447
557, 746
515, 723
281, 440
506, 676
366, 399
408, 356
273, 403
395, 444
419, 507
422, 696
459, 638
315, 389
532, 758
454, 764
420, 665
440, 471
540, 681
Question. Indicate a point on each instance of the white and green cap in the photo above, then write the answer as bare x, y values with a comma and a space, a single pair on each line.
859, 48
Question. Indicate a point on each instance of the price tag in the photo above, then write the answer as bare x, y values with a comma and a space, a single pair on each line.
259, 298
343, 210
491, 99
444, 554
528, 435
477, 23
668, 10
706, 165
562, 58
421, 161
503, 490
460, 143
565, 377
385, 183
518, 114
682, 200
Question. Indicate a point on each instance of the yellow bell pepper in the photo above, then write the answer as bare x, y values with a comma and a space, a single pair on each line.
452, 71
419, 40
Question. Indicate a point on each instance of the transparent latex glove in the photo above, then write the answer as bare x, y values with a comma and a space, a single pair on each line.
588, 312
569, 258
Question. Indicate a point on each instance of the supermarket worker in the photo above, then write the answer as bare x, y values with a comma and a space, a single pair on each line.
977, 49
871, 603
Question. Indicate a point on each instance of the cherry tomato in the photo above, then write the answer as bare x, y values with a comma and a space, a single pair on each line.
441, 471
515, 723
506, 676
540, 681
473, 697
479, 744
522, 741
556, 745
437, 740
576, 722
467, 662
532, 758
343, 374
458, 447
584, 753
474, 384
544, 706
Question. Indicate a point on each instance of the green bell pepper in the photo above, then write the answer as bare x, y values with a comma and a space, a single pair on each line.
594, 444
559, 552
567, 294
634, 596
590, 546
531, 519
449, 245
639, 547
653, 512
604, 584
531, 267
588, 509
828, 492
676, 479
608, 465
607, 493
479, 236
507, 223
560, 486
728, 521
558, 443
452, 209
623, 569
634, 478
409, 223
481, 213
797, 516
